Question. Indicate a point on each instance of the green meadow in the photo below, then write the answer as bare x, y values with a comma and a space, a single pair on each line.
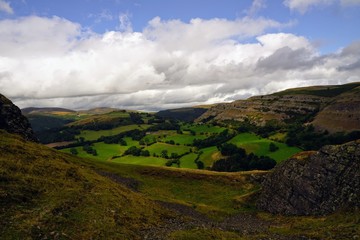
91, 135
260, 146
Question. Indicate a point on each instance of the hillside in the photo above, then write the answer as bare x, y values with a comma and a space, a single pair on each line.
183, 114
35, 110
332, 108
47, 194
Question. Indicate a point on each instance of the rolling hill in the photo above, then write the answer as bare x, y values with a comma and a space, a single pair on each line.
333, 108
47, 194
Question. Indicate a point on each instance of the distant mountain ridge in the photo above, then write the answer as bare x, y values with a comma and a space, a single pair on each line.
184, 114
334, 108
33, 110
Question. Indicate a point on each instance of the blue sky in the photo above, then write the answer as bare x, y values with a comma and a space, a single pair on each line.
77, 53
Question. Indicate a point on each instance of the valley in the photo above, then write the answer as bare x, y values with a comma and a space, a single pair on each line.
162, 142
122, 174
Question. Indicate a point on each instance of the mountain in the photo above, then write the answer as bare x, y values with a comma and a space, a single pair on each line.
35, 110
12, 121
333, 108
182, 114
314, 183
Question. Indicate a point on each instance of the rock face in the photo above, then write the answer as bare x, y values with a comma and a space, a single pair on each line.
332, 108
12, 121
314, 183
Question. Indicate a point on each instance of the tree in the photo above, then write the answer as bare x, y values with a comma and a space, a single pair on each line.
273, 147
145, 153
164, 154
73, 151
200, 164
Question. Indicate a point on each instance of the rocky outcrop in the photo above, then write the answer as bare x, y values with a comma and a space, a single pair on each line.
12, 121
332, 108
342, 115
260, 109
314, 183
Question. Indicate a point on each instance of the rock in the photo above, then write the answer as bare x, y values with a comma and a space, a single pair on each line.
331, 108
314, 183
12, 121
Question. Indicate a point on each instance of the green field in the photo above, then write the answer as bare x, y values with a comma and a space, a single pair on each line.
183, 138
145, 161
93, 135
260, 146
204, 128
157, 148
209, 155
188, 161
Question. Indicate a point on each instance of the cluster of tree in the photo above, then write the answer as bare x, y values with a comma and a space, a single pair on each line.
135, 151
270, 127
170, 162
192, 132
307, 138
135, 134
90, 150
148, 141
213, 140
136, 118
167, 125
64, 134
238, 160
96, 126
273, 147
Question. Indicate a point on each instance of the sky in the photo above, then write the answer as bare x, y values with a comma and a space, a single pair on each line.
161, 54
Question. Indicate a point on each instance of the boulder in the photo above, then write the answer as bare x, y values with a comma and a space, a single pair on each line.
314, 183
12, 121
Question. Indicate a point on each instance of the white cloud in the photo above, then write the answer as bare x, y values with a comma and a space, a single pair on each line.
303, 6
52, 61
256, 6
5, 7
125, 23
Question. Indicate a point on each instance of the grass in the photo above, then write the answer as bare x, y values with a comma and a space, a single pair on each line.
158, 147
48, 194
209, 155
94, 135
183, 138
144, 161
212, 193
260, 146
204, 128
105, 151
204, 234
188, 161
321, 91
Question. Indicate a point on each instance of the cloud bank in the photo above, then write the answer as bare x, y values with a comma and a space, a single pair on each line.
56, 62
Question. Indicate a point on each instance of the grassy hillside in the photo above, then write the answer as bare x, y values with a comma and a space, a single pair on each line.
46, 194
321, 91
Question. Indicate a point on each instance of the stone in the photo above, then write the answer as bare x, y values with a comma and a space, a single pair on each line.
314, 183
12, 120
